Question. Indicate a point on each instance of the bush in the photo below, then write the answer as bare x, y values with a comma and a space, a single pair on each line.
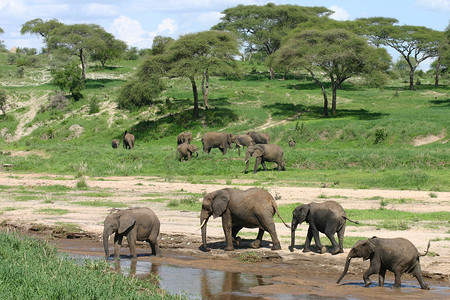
94, 107
56, 101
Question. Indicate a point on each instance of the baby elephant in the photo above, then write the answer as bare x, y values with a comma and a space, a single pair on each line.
185, 151
137, 224
115, 143
397, 255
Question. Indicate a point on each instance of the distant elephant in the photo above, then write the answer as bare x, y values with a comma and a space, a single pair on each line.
263, 153
185, 151
137, 224
397, 255
259, 137
291, 143
184, 138
115, 143
128, 140
252, 208
221, 140
244, 141
328, 217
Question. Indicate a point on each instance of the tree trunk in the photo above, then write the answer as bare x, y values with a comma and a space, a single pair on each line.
411, 79
83, 65
438, 66
272, 73
324, 92
285, 73
205, 87
194, 90
334, 86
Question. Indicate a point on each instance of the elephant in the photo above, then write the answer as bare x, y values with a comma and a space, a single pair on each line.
259, 138
291, 143
115, 143
328, 217
263, 153
221, 140
252, 208
397, 255
184, 138
128, 140
244, 141
137, 224
185, 151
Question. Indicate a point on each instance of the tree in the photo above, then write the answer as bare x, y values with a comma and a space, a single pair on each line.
262, 28
41, 28
2, 45
160, 44
207, 52
3, 97
338, 53
414, 43
106, 47
69, 77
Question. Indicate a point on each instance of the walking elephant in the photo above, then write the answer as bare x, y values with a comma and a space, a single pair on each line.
115, 143
184, 138
252, 208
128, 140
397, 255
259, 137
243, 140
137, 224
328, 217
263, 153
221, 140
185, 151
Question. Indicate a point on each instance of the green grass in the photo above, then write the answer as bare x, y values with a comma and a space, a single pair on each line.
26, 198
32, 269
52, 211
96, 194
188, 204
98, 203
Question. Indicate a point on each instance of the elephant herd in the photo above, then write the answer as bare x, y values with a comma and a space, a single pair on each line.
255, 208
127, 141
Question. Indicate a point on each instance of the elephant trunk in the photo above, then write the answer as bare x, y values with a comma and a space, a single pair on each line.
293, 228
203, 220
347, 264
106, 235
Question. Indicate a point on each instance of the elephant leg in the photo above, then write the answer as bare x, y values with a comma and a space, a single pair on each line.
227, 228
153, 241
131, 239
417, 272
189, 155
309, 237
374, 268
315, 233
273, 235
340, 235
257, 162
263, 164
117, 244
330, 235
257, 243
398, 279
381, 276
234, 232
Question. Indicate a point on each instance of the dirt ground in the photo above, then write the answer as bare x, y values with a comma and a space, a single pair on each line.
295, 273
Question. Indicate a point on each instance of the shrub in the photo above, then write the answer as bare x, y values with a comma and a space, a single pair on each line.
94, 107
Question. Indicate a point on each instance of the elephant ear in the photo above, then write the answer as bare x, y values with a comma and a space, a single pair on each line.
303, 213
258, 152
367, 249
220, 203
192, 148
126, 221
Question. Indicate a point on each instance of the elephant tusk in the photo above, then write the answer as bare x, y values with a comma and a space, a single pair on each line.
203, 224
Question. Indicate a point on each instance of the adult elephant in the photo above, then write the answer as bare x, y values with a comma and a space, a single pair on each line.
184, 138
221, 140
259, 137
263, 153
328, 217
137, 224
128, 140
185, 151
243, 140
115, 143
397, 255
252, 208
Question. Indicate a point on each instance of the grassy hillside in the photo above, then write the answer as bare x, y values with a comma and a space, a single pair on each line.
369, 144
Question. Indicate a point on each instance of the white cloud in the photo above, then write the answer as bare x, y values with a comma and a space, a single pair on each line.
131, 31
168, 26
96, 9
435, 5
339, 14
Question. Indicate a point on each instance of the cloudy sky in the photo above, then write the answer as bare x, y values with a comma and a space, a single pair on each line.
137, 22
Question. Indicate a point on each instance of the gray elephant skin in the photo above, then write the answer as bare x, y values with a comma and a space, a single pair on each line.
221, 140
252, 208
243, 140
184, 138
397, 255
115, 143
185, 151
328, 217
259, 137
263, 153
137, 224
128, 140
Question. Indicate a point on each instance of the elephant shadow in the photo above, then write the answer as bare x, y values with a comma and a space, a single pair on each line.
313, 249
244, 244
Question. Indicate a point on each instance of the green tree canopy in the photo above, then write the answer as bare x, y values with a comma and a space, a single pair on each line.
41, 28
262, 28
106, 47
337, 53
160, 44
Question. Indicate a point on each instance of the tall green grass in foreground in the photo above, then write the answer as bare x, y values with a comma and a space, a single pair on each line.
32, 269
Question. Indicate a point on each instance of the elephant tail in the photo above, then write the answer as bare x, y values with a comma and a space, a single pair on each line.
278, 214
356, 222
426, 252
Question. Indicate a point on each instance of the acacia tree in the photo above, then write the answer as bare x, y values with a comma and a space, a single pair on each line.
106, 47
414, 43
41, 28
262, 28
160, 44
337, 53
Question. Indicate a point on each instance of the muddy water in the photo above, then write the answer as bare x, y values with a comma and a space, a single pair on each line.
221, 279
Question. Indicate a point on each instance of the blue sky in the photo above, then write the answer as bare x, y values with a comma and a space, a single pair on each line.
137, 22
